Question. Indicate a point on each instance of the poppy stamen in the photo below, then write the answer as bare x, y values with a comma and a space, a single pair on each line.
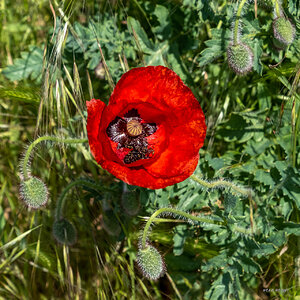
134, 128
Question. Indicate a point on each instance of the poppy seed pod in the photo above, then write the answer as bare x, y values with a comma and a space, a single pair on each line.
151, 131
284, 32
34, 192
151, 262
240, 58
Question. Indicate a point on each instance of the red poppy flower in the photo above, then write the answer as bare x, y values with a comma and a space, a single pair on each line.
151, 131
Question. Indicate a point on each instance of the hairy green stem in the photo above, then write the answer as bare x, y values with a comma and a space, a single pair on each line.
188, 217
237, 21
220, 184
42, 139
60, 204
294, 135
177, 212
277, 7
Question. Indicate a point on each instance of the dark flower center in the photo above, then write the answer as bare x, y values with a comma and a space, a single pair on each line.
130, 133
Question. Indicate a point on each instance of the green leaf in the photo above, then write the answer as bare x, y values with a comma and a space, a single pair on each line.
30, 65
230, 202
264, 249
294, 7
249, 265
140, 35
287, 227
218, 261
216, 47
156, 57
264, 177
164, 30
179, 239
290, 181
235, 129
217, 292
205, 10
253, 148
216, 163
183, 263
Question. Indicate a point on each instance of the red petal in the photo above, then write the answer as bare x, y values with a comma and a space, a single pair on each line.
95, 109
141, 177
160, 97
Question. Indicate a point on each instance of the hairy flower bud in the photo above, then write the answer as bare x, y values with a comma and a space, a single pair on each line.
240, 58
150, 262
34, 192
110, 223
284, 32
64, 232
131, 202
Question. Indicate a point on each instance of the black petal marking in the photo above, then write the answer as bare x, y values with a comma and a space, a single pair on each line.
133, 156
116, 130
149, 128
132, 115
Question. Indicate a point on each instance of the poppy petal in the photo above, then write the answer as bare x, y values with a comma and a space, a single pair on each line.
173, 129
95, 109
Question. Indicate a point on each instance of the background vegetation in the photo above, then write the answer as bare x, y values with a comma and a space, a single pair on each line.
56, 55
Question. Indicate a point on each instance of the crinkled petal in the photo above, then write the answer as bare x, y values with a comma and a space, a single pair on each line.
95, 109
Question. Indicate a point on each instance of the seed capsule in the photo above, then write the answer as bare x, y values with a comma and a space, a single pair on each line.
151, 262
284, 32
64, 232
240, 58
134, 128
34, 192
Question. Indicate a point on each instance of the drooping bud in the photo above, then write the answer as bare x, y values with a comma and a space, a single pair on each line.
131, 202
100, 71
34, 192
110, 223
284, 32
240, 58
151, 262
64, 232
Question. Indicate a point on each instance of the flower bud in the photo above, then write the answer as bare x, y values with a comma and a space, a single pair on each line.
34, 192
240, 58
131, 202
100, 71
64, 232
284, 32
150, 262
110, 223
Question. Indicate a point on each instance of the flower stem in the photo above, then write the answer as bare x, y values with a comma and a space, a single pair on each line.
62, 198
277, 8
42, 139
188, 217
222, 183
295, 124
177, 212
237, 21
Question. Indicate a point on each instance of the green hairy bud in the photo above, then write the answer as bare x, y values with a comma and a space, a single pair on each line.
240, 58
34, 192
131, 202
150, 262
284, 32
110, 223
64, 232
